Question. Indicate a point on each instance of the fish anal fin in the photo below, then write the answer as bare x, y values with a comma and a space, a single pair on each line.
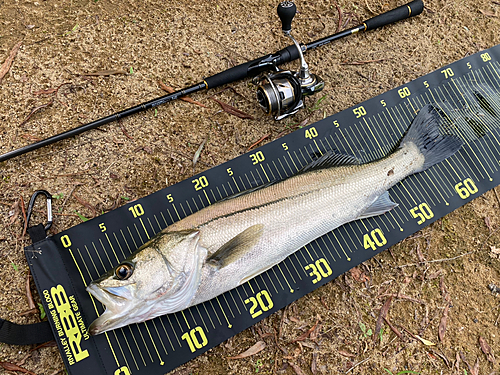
237, 246
382, 205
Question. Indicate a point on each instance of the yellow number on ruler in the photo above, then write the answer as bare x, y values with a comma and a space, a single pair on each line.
311, 132
194, 337
469, 65
285, 146
448, 72
122, 371
66, 242
485, 56
426, 84
466, 188
422, 212
359, 111
319, 269
383, 103
336, 123
404, 92
103, 227
229, 171
170, 198
257, 302
136, 210
200, 183
374, 239
257, 157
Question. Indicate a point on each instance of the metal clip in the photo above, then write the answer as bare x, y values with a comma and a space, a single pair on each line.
49, 208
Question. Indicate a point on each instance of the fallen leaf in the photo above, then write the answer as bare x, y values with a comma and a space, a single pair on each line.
486, 350
358, 275
14, 212
442, 323
419, 254
296, 368
346, 354
489, 14
424, 341
487, 221
198, 152
475, 369
170, 90
233, 111
256, 348
12, 367
383, 313
8, 61
314, 369
31, 303
305, 334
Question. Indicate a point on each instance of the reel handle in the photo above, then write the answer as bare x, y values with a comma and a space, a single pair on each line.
286, 12
404, 11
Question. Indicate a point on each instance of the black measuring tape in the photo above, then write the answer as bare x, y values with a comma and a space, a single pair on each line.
468, 93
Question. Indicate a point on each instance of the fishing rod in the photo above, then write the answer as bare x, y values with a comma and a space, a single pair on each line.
279, 93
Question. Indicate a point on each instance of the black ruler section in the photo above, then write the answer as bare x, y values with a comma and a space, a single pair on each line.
467, 93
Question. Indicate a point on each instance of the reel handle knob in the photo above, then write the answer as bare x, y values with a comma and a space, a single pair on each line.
286, 12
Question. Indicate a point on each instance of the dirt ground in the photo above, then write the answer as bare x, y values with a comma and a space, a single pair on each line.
179, 42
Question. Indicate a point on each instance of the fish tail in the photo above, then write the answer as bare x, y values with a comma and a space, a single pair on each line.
425, 133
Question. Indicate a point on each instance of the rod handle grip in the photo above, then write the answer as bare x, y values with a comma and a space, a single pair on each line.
400, 13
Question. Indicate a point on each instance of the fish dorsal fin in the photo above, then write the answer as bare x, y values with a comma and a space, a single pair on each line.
380, 206
327, 160
236, 247
330, 159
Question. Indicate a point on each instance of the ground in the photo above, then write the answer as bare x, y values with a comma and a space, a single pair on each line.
179, 42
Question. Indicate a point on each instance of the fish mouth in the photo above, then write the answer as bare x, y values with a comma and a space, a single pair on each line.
117, 309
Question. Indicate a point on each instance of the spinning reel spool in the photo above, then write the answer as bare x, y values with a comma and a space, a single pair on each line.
282, 92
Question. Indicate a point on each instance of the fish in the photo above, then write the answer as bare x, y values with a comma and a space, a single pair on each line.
233, 240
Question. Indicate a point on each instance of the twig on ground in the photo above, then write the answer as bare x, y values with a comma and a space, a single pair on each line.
36, 109
256, 143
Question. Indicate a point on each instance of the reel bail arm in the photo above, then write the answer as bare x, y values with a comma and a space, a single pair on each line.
281, 94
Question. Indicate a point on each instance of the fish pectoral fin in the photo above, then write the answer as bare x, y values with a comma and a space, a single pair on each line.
236, 247
382, 205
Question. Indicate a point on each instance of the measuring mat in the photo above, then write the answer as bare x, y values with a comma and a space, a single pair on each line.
466, 94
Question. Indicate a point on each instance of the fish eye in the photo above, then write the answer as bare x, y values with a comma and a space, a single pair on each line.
124, 271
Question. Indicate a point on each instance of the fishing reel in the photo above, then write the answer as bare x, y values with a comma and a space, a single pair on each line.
281, 93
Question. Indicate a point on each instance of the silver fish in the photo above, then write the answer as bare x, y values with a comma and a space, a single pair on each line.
230, 242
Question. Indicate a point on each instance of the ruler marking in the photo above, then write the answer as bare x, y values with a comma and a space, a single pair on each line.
228, 306
206, 196
153, 342
215, 312
466, 142
234, 301
138, 233
209, 316
173, 329
486, 161
129, 349
229, 325
121, 350
166, 333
